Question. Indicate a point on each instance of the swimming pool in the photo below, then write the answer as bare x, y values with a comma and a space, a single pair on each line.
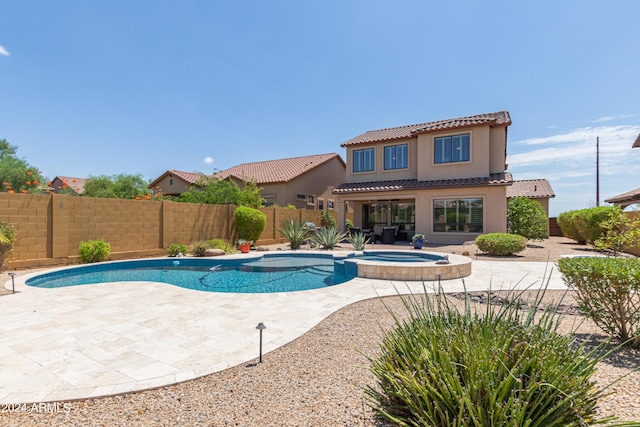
263, 273
255, 275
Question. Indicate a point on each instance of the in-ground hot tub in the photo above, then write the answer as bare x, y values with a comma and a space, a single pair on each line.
402, 265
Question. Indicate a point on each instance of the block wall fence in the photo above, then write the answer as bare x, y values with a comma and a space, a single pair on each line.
50, 227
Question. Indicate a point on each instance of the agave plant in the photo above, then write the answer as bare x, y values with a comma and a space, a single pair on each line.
328, 237
294, 232
359, 240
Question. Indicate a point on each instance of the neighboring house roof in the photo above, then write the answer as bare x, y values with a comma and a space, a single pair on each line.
189, 177
532, 188
625, 199
77, 184
503, 178
403, 132
275, 171
637, 143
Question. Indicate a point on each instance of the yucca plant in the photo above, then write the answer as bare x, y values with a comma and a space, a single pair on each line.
328, 237
359, 241
448, 367
294, 232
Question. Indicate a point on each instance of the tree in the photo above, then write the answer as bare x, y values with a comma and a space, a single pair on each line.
16, 175
120, 186
212, 190
527, 218
216, 191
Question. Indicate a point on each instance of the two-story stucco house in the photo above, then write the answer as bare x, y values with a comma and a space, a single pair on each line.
446, 179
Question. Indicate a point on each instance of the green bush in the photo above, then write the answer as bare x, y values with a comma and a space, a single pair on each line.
328, 237
620, 233
499, 244
326, 219
527, 218
294, 232
250, 223
199, 248
567, 226
503, 367
586, 225
176, 248
607, 290
7, 240
359, 241
94, 251
222, 244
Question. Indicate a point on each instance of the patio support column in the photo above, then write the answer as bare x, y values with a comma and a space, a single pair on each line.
341, 209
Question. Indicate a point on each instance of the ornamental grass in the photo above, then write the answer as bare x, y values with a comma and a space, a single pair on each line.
458, 366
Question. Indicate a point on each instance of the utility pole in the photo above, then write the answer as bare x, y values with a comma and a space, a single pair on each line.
597, 171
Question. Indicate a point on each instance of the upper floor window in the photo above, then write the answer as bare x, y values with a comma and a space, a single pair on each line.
396, 157
449, 149
363, 160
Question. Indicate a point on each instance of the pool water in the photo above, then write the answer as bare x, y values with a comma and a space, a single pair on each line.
254, 274
257, 275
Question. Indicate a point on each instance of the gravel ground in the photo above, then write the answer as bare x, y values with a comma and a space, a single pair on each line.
315, 380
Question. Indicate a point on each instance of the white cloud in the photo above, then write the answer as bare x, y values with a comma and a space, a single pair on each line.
4, 51
609, 118
208, 160
576, 146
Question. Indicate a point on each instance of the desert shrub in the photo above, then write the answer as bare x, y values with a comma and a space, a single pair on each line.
607, 290
176, 248
441, 366
358, 241
527, 218
567, 226
328, 237
586, 225
294, 232
250, 222
620, 233
501, 243
199, 248
94, 251
589, 222
7, 240
221, 244
326, 219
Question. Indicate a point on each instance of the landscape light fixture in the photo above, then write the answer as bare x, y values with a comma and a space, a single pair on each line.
261, 327
13, 284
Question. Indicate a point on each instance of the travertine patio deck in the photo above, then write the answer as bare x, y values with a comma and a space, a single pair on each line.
94, 340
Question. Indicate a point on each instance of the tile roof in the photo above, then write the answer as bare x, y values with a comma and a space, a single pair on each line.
532, 188
274, 171
189, 177
499, 118
637, 143
627, 198
503, 178
74, 182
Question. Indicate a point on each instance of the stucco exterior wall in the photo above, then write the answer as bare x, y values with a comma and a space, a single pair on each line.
172, 185
494, 209
478, 164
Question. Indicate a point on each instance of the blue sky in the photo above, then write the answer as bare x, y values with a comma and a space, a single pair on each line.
101, 88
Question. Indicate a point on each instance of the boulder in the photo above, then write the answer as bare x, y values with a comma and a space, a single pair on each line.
214, 252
